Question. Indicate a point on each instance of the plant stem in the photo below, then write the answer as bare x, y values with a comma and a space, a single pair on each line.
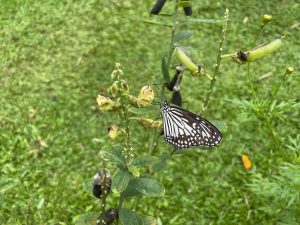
104, 193
250, 83
277, 89
219, 59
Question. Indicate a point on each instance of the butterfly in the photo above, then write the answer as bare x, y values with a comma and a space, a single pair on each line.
184, 129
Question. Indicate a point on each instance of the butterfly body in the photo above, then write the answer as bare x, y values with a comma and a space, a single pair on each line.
184, 129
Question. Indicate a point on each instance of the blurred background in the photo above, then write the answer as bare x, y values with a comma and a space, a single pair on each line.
56, 55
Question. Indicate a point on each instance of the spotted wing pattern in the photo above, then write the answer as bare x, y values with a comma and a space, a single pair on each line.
184, 129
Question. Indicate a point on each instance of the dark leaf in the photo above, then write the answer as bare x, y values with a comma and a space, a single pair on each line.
129, 217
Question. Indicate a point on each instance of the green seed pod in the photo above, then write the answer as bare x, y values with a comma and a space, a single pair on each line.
257, 52
188, 10
187, 62
157, 7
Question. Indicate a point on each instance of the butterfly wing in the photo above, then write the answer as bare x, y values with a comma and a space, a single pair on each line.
184, 129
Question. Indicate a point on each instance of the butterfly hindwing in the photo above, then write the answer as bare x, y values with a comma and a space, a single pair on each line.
184, 129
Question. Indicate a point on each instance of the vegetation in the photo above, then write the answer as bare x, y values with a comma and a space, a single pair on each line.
58, 56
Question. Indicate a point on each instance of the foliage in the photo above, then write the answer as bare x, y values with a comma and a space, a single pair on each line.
56, 56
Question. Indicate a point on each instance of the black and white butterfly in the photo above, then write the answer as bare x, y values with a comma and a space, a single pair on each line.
184, 129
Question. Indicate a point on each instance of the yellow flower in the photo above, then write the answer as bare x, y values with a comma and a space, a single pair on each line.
289, 70
106, 104
146, 96
115, 132
246, 162
148, 123
266, 19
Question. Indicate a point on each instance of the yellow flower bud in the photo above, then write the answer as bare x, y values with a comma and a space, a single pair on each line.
148, 123
106, 104
146, 96
113, 89
115, 132
124, 86
266, 19
289, 70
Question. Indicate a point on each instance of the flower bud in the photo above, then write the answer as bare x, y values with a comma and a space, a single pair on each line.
124, 86
157, 7
289, 70
246, 162
265, 19
111, 215
115, 132
176, 98
98, 181
113, 89
148, 123
106, 104
146, 96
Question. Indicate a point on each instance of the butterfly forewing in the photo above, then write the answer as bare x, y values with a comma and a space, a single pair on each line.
184, 129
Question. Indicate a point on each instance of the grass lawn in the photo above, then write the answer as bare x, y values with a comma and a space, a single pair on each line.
55, 55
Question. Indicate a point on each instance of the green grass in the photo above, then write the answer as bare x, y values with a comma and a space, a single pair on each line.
55, 55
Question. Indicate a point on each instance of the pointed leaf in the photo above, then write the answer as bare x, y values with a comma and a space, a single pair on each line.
182, 35
89, 218
129, 217
157, 23
165, 70
120, 180
149, 187
184, 4
149, 220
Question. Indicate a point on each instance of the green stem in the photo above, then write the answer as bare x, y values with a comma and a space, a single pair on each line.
121, 200
276, 90
217, 65
250, 83
104, 193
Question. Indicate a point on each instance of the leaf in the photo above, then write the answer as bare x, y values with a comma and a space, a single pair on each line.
148, 187
120, 180
149, 220
89, 218
134, 170
130, 190
157, 23
184, 4
165, 70
115, 156
161, 163
195, 20
182, 35
145, 160
129, 217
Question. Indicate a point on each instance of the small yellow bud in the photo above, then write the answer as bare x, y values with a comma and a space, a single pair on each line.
265, 19
146, 96
115, 132
289, 70
106, 104
148, 123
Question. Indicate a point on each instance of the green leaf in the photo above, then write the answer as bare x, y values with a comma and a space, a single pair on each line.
195, 20
89, 218
115, 156
121, 180
130, 190
134, 170
157, 23
129, 217
182, 35
145, 160
149, 220
148, 187
165, 70
184, 4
